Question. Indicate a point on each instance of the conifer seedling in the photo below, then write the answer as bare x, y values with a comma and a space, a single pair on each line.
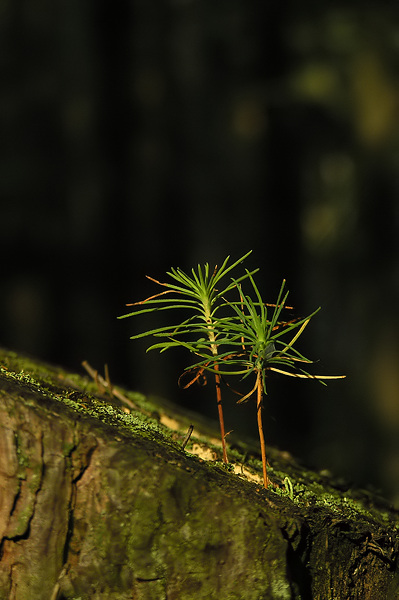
230, 337
200, 296
255, 346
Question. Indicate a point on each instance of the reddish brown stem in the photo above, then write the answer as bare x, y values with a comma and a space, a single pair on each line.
260, 428
220, 412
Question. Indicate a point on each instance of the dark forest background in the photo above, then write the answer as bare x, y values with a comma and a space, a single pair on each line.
148, 134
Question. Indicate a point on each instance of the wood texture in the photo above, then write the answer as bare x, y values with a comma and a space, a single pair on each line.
98, 503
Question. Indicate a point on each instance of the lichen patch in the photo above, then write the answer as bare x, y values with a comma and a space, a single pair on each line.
203, 452
250, 475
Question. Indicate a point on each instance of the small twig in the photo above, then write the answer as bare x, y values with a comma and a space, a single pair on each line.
56, 589
188, 435
100, 387
107, 385
108, 380
243, 462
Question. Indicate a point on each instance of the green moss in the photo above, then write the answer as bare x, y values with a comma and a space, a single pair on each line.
23, 460
67, 448
45, 381
152, 531
24, 516
306, 489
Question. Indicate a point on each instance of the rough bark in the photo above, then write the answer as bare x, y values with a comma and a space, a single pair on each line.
98, 503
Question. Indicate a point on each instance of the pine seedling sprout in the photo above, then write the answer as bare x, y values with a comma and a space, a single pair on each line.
256, 347
201, 296
245, 337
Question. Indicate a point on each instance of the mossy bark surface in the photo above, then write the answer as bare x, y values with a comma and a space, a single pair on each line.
101, 503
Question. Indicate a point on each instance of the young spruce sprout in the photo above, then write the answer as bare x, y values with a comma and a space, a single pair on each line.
256, 345
200, 296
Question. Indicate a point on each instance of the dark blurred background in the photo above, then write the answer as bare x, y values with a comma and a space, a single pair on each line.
148, 134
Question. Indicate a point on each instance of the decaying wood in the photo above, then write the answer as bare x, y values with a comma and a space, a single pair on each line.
99, 504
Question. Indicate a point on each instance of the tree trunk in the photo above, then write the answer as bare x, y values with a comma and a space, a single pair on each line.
99, 501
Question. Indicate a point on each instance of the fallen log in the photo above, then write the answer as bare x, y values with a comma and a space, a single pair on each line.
100, 500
